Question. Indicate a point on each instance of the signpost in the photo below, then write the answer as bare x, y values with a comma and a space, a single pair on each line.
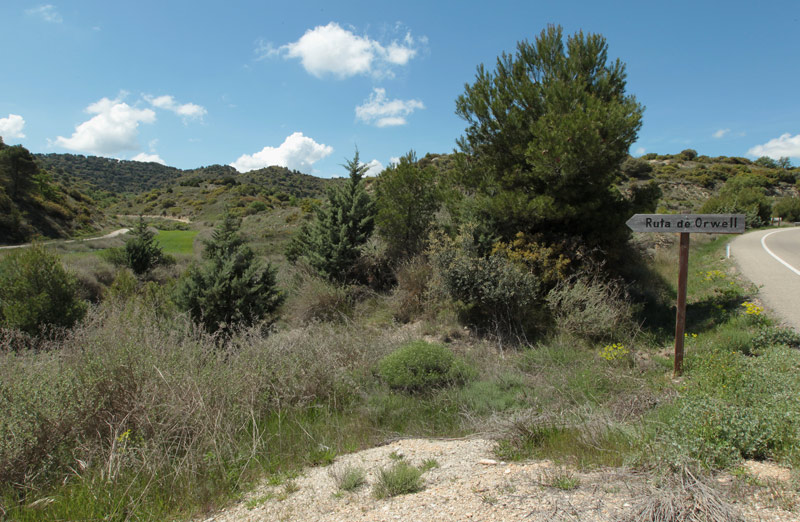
685, 224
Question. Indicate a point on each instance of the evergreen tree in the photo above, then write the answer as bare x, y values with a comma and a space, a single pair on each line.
232, 287
142, 253
332, 242
36, 290
406, 198
547, 132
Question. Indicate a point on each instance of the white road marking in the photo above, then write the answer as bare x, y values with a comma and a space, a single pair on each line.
770, 252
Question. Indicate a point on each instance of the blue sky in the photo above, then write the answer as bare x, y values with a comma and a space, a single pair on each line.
193, 83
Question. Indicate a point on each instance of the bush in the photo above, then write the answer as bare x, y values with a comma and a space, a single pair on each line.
494, 291
420, 367
787, 208
591, 307
36, 290
636, 167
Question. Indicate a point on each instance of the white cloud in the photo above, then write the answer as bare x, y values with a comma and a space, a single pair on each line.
186, 110
47, 12
382, 112
147, 158
784, 146
114, 128
639, 151
333, 50
374, 168
12, 126
394, 160
720, 133
297, 152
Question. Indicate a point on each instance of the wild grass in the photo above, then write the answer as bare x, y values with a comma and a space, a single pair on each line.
177, 241
136, 413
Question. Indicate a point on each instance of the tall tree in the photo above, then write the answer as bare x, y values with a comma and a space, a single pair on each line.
332, 242
407, 198
17, 170
547, 132
232, 287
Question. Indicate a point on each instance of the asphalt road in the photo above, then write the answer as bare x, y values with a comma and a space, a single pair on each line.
771, 260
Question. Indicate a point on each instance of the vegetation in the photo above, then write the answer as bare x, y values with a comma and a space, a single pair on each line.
407, 199
331, 242
452, 294
142, 253
232, 288
547, 132
36, 291
423, 367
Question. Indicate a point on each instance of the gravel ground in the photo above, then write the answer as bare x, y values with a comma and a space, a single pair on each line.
470, 484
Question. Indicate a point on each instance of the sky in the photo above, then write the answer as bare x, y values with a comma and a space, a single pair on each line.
305, 84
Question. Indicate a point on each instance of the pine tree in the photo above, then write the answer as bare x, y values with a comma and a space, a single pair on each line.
142, 253
232, 287
331, 243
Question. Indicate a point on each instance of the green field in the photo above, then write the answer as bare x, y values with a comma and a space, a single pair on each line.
177, 241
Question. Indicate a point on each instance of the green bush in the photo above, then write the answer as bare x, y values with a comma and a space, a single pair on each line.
421, 367
636, 167
787, 208
142, 253
495, 291
36, 290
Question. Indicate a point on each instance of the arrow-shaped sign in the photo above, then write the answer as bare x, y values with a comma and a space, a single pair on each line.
691, 223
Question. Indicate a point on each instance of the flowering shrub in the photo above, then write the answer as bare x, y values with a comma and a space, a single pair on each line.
613, 352
750, 308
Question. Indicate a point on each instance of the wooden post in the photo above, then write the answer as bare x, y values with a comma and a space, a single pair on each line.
680, 315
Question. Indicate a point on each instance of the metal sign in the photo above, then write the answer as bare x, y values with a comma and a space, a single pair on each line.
691, 223
685, 224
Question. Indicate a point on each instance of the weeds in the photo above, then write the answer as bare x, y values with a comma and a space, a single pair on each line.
349, 479
401, 479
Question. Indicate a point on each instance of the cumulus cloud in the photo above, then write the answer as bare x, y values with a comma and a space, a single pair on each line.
47, 12
333, 50
720, 133
374, 168
297, 152
148, 158
186, 110
639, 151
12, 126
113, 129
382, 112
784, 146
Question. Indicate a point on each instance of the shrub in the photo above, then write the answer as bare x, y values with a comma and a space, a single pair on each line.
636, 167
688, 154
421, 367
36, 290
591, 307
494, 291
787, 208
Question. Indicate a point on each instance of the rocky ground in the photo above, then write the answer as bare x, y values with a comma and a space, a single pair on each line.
470, 484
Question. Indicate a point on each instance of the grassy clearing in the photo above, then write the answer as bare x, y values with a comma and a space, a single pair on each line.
138, 414
177, 241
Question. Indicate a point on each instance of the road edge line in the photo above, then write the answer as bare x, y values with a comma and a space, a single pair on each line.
770, 252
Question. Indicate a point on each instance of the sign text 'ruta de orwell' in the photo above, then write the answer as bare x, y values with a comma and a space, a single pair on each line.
691, 223
685, 224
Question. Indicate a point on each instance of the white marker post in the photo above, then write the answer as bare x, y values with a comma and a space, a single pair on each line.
685, 224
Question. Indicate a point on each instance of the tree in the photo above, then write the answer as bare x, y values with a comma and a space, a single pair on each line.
787, 208
17, 170
547, 132
766, 161
232, 287
331, 243
743, 194
142, 253
36, 290
406, 198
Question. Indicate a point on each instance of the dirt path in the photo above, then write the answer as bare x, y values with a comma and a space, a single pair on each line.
470, 484
110, 235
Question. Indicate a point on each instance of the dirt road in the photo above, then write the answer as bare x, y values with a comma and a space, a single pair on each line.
115, 233
771, 260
